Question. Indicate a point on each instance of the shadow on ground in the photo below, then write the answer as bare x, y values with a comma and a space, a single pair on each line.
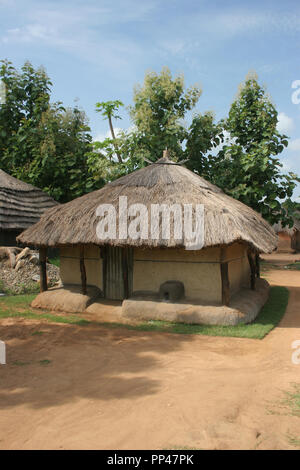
51, 364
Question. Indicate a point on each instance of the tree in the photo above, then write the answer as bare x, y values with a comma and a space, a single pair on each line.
27, 97
204, 135
42, 143
158, 110
59, 158
249, 168
109, 109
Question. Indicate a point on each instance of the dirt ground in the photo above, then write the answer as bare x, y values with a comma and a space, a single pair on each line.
90, 387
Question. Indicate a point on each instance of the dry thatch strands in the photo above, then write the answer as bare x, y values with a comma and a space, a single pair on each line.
226, 220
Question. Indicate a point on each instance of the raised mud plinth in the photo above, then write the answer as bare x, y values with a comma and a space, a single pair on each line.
243, 308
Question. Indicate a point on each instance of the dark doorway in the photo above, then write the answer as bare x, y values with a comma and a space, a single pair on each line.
117, 272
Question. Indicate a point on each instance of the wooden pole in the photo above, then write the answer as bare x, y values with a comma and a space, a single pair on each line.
225, 283
224, 277
82, 271
252, 269
125, 272
257, 262
43, 269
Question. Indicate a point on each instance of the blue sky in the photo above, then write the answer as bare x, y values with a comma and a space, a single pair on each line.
98, 50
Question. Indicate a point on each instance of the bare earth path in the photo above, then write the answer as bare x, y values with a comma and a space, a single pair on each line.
121, 389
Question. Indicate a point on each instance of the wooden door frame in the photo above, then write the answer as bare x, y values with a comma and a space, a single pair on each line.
125, 269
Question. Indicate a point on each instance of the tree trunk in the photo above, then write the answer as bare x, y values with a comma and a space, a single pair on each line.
225, 284
257, 262
114, 137
252, 269
82, 271
43, 269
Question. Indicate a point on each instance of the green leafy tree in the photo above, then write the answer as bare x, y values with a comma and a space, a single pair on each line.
59, 163
43, 143
249, 168
204, 135
159, 109
27, 97
109, 111
158, 112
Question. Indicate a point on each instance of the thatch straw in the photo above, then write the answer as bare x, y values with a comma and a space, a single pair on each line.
226, 219
21, 204
289, 230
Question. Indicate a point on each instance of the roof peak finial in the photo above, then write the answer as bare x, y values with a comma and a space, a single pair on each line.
166, 153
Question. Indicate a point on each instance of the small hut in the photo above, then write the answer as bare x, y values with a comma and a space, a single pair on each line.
157, 269
288, 237
21, 205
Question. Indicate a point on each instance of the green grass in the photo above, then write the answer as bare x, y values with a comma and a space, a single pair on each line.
17, 306
32, 288
45, 362
55, 261
267, 266
292, 400
294, 266
294, 441
268, 318
20, 363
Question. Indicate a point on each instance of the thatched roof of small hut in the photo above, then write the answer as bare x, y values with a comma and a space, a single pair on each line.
289, 230
164, 182
21, 204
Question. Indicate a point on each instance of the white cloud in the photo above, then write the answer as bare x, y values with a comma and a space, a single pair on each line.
100, 136
88, 31
285, 123
294, 145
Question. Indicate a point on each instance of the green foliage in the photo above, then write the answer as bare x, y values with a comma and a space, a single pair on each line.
204, 135
158, 112
108, 109
43, 143
159, 107
249, 169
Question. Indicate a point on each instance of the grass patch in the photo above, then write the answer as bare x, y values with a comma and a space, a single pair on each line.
293, 266
45, 362
20, 363
267, 266
268, 318
18, 306
55, 261
31, 288
292, 400
294, 441
37, 333
23, 300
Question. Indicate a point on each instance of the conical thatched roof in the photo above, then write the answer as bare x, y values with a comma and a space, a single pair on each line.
21, 204
164, 182
289, 230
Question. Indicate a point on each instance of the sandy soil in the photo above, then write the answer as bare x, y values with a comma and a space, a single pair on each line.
122, 389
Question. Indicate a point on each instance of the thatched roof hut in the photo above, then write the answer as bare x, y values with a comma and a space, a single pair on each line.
164, 182
127, 266
288, 237
21, 205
